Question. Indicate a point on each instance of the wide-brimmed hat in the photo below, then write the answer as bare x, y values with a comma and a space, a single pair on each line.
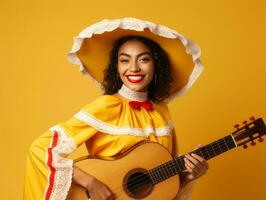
90, 50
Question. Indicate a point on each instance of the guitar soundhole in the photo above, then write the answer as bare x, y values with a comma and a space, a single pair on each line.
138, 184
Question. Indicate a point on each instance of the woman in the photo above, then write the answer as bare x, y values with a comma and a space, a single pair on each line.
139, 80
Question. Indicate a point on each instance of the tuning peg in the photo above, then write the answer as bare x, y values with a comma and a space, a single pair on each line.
252, 118
245, 122
236, 126
253, 143
245, 146
261, 139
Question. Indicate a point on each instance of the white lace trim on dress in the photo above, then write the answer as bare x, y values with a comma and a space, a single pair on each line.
127, 130
63, 167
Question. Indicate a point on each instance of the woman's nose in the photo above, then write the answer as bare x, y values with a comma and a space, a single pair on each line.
134, 67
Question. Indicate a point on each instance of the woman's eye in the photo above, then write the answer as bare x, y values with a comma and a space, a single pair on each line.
123, 61
145, 59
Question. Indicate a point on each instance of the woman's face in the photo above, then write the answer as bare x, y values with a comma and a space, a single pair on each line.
135, 65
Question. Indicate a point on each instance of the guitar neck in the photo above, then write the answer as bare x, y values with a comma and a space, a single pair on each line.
176, 166
215, 148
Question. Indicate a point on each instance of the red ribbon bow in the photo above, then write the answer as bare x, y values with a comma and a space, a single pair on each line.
137, 104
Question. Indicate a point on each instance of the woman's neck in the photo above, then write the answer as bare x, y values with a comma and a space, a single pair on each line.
132, 95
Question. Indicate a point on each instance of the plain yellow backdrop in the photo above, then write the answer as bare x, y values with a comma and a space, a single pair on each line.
40, 88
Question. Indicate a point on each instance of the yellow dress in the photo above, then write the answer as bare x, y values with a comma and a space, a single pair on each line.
108, 126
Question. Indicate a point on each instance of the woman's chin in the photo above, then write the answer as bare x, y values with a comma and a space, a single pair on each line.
137, 87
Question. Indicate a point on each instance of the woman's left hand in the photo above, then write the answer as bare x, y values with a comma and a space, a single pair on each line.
196, 166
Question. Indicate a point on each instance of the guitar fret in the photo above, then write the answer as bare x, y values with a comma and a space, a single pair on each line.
157, 179
169, 171
171, 168
204, 152
213, 150
162, 174
220, 146
206, 156
174, 168
226, 144
217, 148
153, 175
152, 178
231, 143
199, 152
164, 171
159, 174
181, 163
168, 168
176, 165
209, 153
217, 143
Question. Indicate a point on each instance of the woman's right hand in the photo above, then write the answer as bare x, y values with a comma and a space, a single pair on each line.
96, 189
99, 191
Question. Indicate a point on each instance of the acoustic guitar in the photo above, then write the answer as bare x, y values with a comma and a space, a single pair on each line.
148, 171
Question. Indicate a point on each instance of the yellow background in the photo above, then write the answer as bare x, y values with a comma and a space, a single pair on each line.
40, 88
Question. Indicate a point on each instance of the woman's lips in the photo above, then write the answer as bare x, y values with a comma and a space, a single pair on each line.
135, 78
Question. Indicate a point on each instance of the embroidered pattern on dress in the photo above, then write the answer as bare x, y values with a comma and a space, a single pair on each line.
60, 168
127, 130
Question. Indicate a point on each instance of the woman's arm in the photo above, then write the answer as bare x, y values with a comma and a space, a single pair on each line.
96, 189
82, 178
185, 189
196, 166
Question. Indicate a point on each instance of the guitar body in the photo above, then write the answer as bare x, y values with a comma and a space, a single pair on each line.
119, 173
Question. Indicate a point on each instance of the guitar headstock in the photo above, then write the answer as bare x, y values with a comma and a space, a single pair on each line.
249, 132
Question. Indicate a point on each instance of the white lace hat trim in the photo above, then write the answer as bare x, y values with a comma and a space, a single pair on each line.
107, 25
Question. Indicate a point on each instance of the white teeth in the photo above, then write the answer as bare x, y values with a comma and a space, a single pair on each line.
135, 78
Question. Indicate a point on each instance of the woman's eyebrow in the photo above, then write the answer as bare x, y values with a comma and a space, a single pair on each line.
144, 53
124, 54
141, 54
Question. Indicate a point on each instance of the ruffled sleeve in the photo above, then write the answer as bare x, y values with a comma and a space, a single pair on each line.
48, 170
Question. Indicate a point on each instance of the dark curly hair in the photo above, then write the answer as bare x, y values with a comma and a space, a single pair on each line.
159, 87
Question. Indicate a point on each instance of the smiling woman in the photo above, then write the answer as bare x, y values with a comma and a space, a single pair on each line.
135, 65
139, 79
142, 65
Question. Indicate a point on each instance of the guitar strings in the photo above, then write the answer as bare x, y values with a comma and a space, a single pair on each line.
138, 180
141, 178
175, 164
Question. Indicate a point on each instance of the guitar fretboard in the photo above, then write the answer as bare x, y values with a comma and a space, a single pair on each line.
175, 166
